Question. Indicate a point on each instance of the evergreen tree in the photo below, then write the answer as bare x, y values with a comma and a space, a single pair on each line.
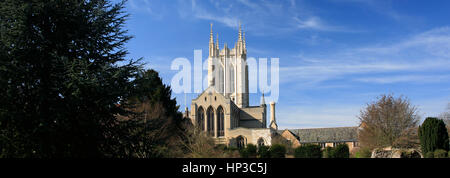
62, 76
433, 135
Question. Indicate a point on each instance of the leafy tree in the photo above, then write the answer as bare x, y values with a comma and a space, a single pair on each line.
63, 74
341, 151
277, 151
385, 121
308, 151
433, 135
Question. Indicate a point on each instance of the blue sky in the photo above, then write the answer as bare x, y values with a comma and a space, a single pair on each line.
335, 55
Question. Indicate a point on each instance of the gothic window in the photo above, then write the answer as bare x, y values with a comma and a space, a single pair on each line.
201, 118
240, 142
220, 121
260, 142
210, 121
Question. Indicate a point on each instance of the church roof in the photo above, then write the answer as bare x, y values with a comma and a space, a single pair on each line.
336, 134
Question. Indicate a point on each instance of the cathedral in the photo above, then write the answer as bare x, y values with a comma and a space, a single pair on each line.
222, 110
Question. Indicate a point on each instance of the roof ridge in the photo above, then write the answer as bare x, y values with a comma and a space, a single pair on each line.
324, 128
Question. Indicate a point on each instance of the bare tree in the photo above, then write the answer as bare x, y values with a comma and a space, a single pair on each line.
387, 121
199, 145
445, 116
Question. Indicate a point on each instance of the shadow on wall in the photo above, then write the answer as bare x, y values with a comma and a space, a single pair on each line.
248, 121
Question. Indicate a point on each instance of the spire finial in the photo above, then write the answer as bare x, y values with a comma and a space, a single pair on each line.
244, 40
240, 31
217, 41
211, 40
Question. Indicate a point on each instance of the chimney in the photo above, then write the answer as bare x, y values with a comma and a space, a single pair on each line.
273, 122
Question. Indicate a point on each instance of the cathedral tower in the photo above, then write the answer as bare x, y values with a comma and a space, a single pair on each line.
228, 71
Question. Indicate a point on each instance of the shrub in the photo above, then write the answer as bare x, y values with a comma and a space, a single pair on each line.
429, 155
251, 150
363, 153
277, 151
221, 147
228, 152
440, 153
263, 152
433, 135
243, 153
341, 151
410, 154
308, 151
278, 139
448, 154
327, 152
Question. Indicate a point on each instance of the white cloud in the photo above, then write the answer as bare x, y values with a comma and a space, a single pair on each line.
417, 55
405, 78
435, 42
266, 18
308, 116
315, 23
202, 13
146, 6
249, 4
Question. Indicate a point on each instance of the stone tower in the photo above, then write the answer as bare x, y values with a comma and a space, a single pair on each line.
273, 122
228, 71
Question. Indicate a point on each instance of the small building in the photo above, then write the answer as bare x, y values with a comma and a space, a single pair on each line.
325, 137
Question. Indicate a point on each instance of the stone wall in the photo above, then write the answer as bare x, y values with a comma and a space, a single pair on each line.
252, 117
251, 135
396, 153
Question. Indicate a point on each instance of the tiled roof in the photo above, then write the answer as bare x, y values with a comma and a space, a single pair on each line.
336, 134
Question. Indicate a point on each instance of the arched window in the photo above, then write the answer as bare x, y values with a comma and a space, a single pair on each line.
210, 120
220, 121
260, 142
240, 142
201, 118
